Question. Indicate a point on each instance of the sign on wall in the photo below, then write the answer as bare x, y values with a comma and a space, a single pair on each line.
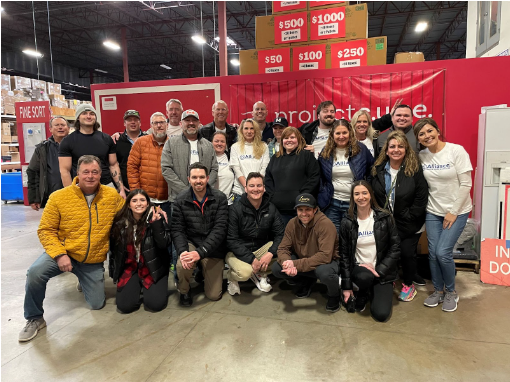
495, 262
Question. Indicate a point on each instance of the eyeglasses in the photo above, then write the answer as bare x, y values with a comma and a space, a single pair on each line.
158, 123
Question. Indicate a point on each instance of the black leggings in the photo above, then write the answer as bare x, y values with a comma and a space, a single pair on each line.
408, 248
155, 298
382, 294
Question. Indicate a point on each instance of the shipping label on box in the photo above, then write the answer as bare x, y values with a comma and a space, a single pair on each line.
327, 23
309, 57
274, 60
349, 54
291, 28
288, 6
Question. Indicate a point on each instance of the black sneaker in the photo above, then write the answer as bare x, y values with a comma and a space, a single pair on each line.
185, 299
199, 277
305, 289
418, 280
333, 304
361, 302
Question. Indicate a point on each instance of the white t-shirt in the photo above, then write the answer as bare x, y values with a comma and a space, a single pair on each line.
194, 152
342, 176
220, 130
244, 162
366, 252
173, 130
276, 147
320, 141
441, 171
370, 146
225, 175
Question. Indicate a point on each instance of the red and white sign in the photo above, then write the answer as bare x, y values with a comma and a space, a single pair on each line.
314, 4
274, 60
349, 54
327, 23
291, 28
309, 57
495, 262
285, 6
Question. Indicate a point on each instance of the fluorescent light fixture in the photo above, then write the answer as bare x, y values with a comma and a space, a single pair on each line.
3, 9
165, 66
421, 27
198, 39
32, 52
235, 62
111, 45
100, 71
229, 40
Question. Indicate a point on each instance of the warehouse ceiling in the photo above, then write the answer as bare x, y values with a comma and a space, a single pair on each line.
159, 32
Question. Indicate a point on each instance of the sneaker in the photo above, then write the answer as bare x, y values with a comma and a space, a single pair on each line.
264, 282
185, 299
305, 289
262, 286
450, 302
78, 287
418, 280
361, 302
407, 293
333, 304
233, 288
199, 277
434, 299
31, 329
291, 282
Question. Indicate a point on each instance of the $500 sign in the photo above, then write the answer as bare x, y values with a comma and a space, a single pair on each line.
291, 28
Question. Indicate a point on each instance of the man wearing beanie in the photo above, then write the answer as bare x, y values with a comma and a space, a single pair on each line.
309, 251
88, 140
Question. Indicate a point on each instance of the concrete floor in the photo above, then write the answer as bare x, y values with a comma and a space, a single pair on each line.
253, 337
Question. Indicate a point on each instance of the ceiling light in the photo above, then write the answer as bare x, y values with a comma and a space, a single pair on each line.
229, 40
198, 39
421, 27
235, 62
111, 45
32, 52
165, 66
100, 71
3, 9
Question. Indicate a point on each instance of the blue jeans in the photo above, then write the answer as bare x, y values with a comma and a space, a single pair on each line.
441, 243
336, 212
90, 276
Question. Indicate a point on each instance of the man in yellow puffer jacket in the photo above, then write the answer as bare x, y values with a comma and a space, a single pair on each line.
74, 231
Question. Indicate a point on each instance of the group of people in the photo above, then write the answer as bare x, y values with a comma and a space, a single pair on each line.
332, 200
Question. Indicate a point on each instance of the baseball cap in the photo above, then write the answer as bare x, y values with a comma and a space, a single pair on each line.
305, 200
281, 121
131, 113
83, 108
188, 113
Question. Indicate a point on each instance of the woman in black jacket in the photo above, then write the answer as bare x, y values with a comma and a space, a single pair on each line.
400, 187
291, 171
369, 252
139, 257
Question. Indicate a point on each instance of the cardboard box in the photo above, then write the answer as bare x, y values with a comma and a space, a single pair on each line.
6, 82
14, 138
5, 150
18, 82
14, 149
406, 57
313, 5
264, 33
38, 84
374, 53
377, 50
6, 138
275, 60
53, 88
15, 157
286, 7
9, 109
6, 128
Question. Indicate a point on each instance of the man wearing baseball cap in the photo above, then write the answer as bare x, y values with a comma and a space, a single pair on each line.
279, 124
127, 139
88, 140
309, 251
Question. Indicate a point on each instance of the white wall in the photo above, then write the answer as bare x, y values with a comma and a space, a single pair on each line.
504, 37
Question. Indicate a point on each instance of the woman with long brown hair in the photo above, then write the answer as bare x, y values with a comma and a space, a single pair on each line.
342, 161
291, 171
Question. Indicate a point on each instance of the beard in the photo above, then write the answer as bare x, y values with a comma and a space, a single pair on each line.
159, 135
326, 122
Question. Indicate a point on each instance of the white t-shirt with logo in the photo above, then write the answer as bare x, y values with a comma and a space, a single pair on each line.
441, 171
242, 163
225, 175
172, 131
368, 143
320, 141
194, 152
342, 176
366, 252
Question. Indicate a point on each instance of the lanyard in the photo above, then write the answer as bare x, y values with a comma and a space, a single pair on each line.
390, 192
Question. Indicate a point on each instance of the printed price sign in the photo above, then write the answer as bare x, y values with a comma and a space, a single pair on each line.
291, 28
309, 57
314, 4
349, 54
327, 23
284, 6
274, 60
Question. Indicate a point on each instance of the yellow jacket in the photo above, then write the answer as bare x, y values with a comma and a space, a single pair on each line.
69, 226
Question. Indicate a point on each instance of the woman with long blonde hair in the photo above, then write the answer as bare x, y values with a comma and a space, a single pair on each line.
248, 154
361, 123
400, 187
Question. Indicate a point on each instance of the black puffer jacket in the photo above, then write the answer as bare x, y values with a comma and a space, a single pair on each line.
154, 249
206, 227
387, 245
208, 131
411, 197
249, 229
309, 131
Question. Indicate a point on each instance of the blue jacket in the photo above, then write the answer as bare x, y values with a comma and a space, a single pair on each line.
360, 165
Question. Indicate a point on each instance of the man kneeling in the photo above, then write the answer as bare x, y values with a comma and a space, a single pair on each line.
255, 230
309, 251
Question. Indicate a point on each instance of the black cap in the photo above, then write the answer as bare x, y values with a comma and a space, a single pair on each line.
281, 121
305, 200
131, 113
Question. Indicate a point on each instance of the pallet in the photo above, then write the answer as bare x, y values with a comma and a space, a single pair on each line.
467, 265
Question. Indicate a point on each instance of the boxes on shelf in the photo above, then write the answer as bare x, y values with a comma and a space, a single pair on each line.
6, 138
18, 82
283, 7
314, 5
53, 88
264, 33
38, 84
406, 57
13, 149
14, 138
5, 150
15, 157
6, 82
274, 60
57, 100
249, 61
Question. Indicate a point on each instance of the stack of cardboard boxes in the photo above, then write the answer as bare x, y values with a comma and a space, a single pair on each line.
9, 135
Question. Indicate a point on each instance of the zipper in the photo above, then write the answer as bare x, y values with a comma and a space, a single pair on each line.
97, 215
90, 231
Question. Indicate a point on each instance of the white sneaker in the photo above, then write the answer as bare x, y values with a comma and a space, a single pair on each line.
233, 288
261, 282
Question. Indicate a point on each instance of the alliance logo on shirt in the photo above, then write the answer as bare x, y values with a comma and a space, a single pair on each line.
323, 138
434, 166
246, 156
341, 163
222, 163
194, 152
365, 233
